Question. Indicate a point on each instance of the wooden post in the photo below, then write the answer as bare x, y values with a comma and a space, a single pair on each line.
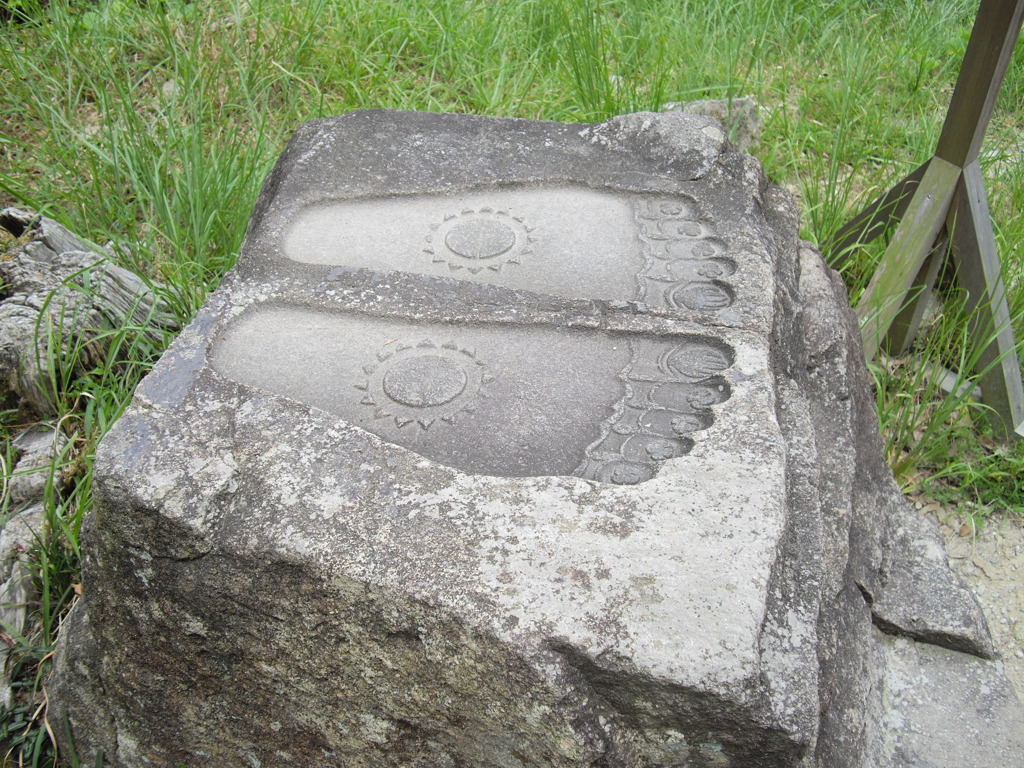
945, 198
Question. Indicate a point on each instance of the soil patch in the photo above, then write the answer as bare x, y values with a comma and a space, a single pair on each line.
992, 564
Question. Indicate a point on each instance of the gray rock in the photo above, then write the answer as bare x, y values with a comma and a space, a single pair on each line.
37, 469
38, 451
17, 592
60, 294
508, 444
740, 117
939, 708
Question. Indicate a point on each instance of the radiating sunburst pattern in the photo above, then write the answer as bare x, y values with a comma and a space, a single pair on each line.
424, 383
484, 239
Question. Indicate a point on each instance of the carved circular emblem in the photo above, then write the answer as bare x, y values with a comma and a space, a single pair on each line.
676, 209
672, 423
479, 239
424, 381
421, 383
687, 424
690, 229
713, 268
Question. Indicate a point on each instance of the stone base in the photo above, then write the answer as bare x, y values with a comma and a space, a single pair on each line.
617, 501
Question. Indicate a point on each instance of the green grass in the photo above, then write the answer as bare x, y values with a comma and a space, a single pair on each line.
151, 125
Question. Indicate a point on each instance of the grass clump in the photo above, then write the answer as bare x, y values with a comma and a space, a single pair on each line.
150, 125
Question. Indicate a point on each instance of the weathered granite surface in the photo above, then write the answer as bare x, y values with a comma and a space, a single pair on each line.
511, 444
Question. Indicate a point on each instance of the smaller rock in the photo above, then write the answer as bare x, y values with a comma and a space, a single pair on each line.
170, 89
18, 590
60, 293
925, 723
918, 596
38, 449
740, 117
19, 536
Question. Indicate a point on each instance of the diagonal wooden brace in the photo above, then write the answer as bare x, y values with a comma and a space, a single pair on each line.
907, 252
946, 197
875, 218
978, 272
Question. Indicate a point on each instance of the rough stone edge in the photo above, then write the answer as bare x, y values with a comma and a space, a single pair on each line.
890, 548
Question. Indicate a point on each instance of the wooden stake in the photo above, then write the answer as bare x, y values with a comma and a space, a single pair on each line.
945, 198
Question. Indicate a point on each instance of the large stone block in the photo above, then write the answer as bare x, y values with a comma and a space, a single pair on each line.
511, 444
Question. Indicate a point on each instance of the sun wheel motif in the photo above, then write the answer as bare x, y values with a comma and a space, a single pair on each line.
423, 383
484, 239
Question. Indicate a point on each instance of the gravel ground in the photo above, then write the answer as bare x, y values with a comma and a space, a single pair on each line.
992, 563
